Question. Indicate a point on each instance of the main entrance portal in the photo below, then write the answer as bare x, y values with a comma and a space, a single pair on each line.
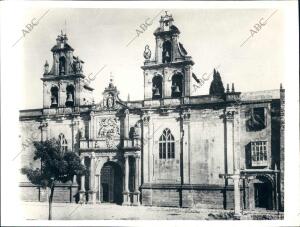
111, 186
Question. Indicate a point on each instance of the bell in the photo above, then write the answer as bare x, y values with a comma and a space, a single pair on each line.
167, 54
177, 90
156, 93
54, 101
70, 98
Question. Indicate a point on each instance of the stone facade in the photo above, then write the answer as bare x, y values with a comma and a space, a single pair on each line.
170, 149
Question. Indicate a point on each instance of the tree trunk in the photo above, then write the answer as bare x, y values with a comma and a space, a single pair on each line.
50, 202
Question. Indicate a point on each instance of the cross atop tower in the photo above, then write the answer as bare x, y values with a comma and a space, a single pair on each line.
111, 79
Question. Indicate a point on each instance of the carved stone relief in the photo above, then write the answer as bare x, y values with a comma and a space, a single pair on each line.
109, 130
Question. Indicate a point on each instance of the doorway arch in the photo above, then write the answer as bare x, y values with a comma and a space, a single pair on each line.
263, 193
111, 183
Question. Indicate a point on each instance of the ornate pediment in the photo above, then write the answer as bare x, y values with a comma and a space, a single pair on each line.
111, 100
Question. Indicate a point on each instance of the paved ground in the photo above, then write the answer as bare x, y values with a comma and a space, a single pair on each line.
67, 211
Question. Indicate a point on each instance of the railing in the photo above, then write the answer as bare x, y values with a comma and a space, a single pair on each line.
64, 110
131, 143
113, 144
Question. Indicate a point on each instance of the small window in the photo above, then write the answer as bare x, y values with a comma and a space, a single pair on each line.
166, 145
63, 142
259, 154
257, 119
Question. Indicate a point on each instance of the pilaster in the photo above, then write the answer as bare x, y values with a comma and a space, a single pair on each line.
82, 186
44, 130
126, 124
229, 142
92, 125
146, 149
187, 80
185, 147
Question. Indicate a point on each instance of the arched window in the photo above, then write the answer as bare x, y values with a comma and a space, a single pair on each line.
166, 145
157, 87
70, 96
62, 65
54, 97
177, 85
63, 142
166, 54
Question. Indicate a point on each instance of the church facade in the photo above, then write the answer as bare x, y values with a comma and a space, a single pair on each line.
169, 149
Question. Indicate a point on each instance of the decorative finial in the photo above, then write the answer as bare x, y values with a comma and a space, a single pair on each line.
128, 97
61, 32
111, 77
227, 89
281, 86
46, 67
232, 87
111, 80
166, 13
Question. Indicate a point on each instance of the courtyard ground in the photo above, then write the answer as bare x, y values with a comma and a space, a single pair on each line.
67, 211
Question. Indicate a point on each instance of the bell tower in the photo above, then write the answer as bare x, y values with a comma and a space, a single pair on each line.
64, 84
169, 74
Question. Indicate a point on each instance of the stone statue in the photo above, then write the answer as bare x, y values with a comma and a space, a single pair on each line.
110, 102
147, 53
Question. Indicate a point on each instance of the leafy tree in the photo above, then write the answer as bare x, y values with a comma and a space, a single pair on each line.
57, 166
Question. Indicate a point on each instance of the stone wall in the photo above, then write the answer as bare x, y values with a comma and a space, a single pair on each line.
206, 147
62, 193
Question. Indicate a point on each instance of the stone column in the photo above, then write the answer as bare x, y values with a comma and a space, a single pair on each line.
237, 196
136, 194
126, 197
92, 193
82, 186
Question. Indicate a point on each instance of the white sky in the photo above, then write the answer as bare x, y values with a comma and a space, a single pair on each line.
211, 36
